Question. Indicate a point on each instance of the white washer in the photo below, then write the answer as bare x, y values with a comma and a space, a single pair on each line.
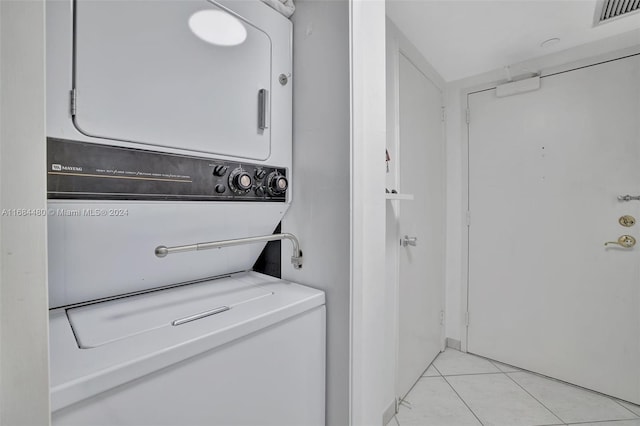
259, 361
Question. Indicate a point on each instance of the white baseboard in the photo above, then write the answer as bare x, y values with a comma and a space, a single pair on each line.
388, 414
453, 344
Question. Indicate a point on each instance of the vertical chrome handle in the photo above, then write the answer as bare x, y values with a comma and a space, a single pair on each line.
409, 241
263, 109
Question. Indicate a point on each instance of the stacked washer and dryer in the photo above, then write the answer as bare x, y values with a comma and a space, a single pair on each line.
169, 133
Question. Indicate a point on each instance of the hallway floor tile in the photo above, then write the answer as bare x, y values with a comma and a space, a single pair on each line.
453, 363
444, 406
461, 389
570, 403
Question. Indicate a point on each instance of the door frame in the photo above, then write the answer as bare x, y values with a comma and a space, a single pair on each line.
398, 44
24, 388
548, 66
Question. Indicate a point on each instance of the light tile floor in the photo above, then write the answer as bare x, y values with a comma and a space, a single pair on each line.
461, 389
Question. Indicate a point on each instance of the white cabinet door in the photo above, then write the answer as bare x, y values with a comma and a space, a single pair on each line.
421, 280
143, 72
546, 168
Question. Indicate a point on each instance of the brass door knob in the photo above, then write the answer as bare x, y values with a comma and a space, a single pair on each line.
626, 241
627, 221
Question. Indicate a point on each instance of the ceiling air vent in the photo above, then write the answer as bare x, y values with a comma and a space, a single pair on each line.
607, 10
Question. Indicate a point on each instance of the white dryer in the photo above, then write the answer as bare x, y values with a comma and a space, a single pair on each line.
169, 124
152, 128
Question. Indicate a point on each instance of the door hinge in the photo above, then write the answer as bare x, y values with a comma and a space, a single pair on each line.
441, 317
466, 318
468, 218
468, 115
73, 102
444, 114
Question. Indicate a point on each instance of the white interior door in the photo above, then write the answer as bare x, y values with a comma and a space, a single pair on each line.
545, 170
421, 267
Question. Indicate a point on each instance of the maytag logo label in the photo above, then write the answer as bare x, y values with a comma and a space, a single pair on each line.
60, 167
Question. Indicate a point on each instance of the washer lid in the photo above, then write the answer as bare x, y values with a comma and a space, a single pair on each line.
105, 322
185, 74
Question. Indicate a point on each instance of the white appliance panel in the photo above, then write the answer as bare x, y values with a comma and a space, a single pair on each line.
95, 257
251, 382
141, 79
259, 363
60, 81
102, 323
92, 257
142, 75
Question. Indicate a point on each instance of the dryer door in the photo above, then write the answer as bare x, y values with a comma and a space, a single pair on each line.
187, 74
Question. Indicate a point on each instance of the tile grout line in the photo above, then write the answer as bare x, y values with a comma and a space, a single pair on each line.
520, 370
404, 398
414, 385
433, 364
436, 368
573, 385
457, 394
628, 409
471, 374
461, 399
602, 421
500, 371
539, 402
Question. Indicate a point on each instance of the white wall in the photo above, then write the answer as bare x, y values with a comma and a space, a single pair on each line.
456, 128
319, 213
371, 393
24, 373
338, 200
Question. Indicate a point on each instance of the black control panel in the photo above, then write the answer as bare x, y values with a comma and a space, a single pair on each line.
80, 170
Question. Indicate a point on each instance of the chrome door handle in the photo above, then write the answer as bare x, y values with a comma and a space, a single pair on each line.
409, 241
628, 197
263, 109
626, 241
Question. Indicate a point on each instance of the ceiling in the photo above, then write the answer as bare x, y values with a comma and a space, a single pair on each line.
466, 38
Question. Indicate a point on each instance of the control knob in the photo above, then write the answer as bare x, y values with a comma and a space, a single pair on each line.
277, 184
220, 170
240, 181
260, 174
